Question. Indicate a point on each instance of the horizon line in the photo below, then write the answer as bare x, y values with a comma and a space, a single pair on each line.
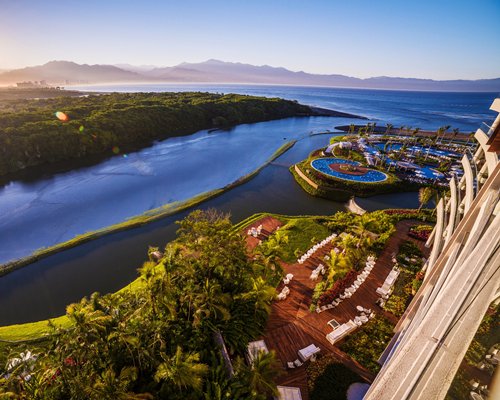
116, 65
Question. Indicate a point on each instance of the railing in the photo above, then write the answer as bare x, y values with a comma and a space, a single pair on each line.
486, 129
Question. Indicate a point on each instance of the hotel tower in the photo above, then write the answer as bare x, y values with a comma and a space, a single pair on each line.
462, 278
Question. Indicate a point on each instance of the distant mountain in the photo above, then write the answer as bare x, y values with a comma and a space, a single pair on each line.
64, 72
215, 71
136, 68
228, 72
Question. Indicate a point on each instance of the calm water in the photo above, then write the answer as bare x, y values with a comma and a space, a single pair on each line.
49, 209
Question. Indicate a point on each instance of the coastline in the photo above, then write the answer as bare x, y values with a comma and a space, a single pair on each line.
153, 126
139, 220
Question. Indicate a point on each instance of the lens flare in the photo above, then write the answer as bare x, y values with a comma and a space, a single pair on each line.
116, 149
61, 116
81, 129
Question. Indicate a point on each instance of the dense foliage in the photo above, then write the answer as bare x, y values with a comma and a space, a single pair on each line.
329, 380
420, 232
31, 134
338, 288
157, 338
366, 344
410, 263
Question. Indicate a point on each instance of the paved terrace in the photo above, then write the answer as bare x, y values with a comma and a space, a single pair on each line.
291, 326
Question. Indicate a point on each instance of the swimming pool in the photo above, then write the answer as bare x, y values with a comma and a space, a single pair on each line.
419, 149
323, 165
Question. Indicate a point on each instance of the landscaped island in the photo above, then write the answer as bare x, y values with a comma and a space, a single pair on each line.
369, 164
41, 131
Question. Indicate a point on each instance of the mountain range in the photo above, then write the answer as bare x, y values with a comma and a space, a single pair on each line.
215, 71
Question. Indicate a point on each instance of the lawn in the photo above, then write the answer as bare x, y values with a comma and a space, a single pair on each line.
302, 234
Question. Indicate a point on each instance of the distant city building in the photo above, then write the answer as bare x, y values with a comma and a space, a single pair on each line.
32, 84
462, 280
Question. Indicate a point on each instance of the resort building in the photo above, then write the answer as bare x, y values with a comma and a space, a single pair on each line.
462, 279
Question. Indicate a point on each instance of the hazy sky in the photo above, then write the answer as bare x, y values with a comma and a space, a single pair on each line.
440, 39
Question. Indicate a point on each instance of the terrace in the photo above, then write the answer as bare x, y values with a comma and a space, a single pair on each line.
292, 326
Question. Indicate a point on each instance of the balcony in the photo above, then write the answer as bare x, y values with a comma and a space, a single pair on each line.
486, 129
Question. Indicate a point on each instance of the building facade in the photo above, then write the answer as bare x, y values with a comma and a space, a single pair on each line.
462, 279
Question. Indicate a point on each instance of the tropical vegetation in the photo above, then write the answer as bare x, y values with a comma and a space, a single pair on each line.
328, 379
158, 339
366, 344
36, 132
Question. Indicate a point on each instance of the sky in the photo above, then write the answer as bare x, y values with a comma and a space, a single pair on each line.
437, 39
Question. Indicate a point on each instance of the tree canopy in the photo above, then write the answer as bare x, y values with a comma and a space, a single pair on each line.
156, 338
35, 132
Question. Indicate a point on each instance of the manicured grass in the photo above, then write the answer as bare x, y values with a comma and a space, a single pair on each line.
302, 235
368, 342
329, 380
31, 330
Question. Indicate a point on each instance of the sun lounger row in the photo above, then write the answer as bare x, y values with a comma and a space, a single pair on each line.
287, 279
255, 231
320, 269
316, 247
370, 263
386, 289
284, 292
341, 331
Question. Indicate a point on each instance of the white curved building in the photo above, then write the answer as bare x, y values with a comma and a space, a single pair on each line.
462, 279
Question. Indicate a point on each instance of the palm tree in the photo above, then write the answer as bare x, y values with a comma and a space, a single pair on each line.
261, 294
352, 127
469, 136
351, 251
182, 370
408, 131
455, 133
414, 135
388, 129
365, 223
424, 196
210, 303
443, 132
262, 374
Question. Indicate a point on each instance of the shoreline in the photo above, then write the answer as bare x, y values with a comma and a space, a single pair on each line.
23, 171
139, 220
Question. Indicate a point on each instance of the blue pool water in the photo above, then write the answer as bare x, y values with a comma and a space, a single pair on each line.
323, 165
424, 172
419, 149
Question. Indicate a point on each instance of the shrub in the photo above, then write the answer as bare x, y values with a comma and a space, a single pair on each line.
338, 288
420, 232
367, 343
327, 379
